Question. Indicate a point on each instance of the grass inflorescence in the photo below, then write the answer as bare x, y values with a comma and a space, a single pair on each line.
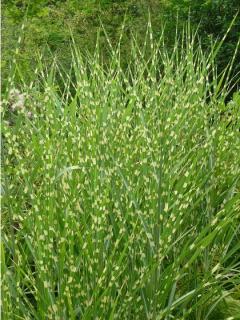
120, 190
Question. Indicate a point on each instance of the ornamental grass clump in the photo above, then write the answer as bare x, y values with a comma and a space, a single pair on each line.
121, 192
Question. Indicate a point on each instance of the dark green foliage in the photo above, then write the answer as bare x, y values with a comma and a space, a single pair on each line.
213, 19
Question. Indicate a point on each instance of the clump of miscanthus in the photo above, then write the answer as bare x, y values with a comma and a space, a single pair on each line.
121, 194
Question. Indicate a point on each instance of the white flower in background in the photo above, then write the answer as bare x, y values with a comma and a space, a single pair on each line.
14, 93
29, 115
17, 99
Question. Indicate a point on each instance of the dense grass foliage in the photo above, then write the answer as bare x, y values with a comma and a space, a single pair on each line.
121, 193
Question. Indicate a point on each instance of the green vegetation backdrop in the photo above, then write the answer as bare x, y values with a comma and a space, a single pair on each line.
49, 25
